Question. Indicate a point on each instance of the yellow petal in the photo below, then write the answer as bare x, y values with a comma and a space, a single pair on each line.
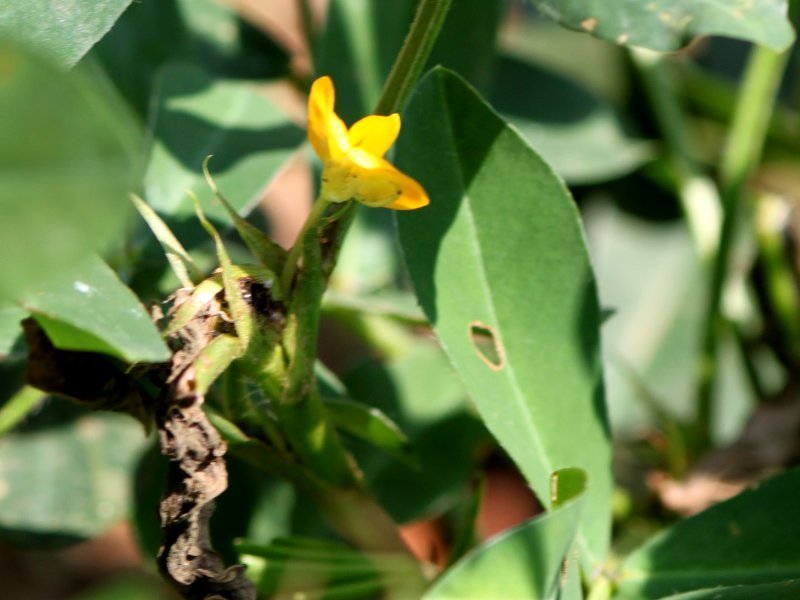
375, 134
412, 195
378, 183
326, 131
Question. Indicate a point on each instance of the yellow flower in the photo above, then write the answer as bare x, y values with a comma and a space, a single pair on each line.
353, 163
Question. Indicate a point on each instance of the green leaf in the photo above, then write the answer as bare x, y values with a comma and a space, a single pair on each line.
88, 308
746, 540
197, 116
202, 32
182, 264
649, 274
501, 270
785, 590
577, 132
268, 252
214, 359
65, 475
61, 30
68, 155
17, 407
524, 562
369, 424
668, 24
244, 320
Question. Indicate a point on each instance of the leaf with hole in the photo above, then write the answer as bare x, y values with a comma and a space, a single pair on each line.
500, 267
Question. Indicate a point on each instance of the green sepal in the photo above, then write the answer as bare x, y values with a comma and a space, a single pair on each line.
304, 311
266, 251
214, 359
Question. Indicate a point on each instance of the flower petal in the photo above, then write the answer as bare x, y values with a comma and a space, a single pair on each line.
375, 134
379, 183
326, 131
412, 195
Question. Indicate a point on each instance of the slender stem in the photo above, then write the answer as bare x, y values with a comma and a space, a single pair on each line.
402, 79
413, 55
290, 266
698, 195
19, 405
772, 218
740, 157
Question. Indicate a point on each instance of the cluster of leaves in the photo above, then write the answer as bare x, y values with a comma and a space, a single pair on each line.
103, 99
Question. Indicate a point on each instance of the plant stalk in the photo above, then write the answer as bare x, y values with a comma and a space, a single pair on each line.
740, 157
362, 521
413, 55
290, 267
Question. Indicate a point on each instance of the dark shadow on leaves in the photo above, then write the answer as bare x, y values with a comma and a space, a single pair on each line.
190, 139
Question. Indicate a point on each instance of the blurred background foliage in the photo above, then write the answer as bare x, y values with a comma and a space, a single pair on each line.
155, 86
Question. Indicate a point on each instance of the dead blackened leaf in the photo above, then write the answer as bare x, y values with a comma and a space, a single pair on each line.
197, 475
95, 380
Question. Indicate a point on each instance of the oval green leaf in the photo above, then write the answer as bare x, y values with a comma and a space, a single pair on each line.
65, 476
68, 156
62, 30
500, 254
89, 309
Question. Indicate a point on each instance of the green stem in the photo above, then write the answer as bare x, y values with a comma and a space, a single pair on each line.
739, 159
784, 299
413, 55
290, 266
19, 405
698, 195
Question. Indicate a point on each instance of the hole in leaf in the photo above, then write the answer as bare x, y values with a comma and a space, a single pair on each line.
487, 344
